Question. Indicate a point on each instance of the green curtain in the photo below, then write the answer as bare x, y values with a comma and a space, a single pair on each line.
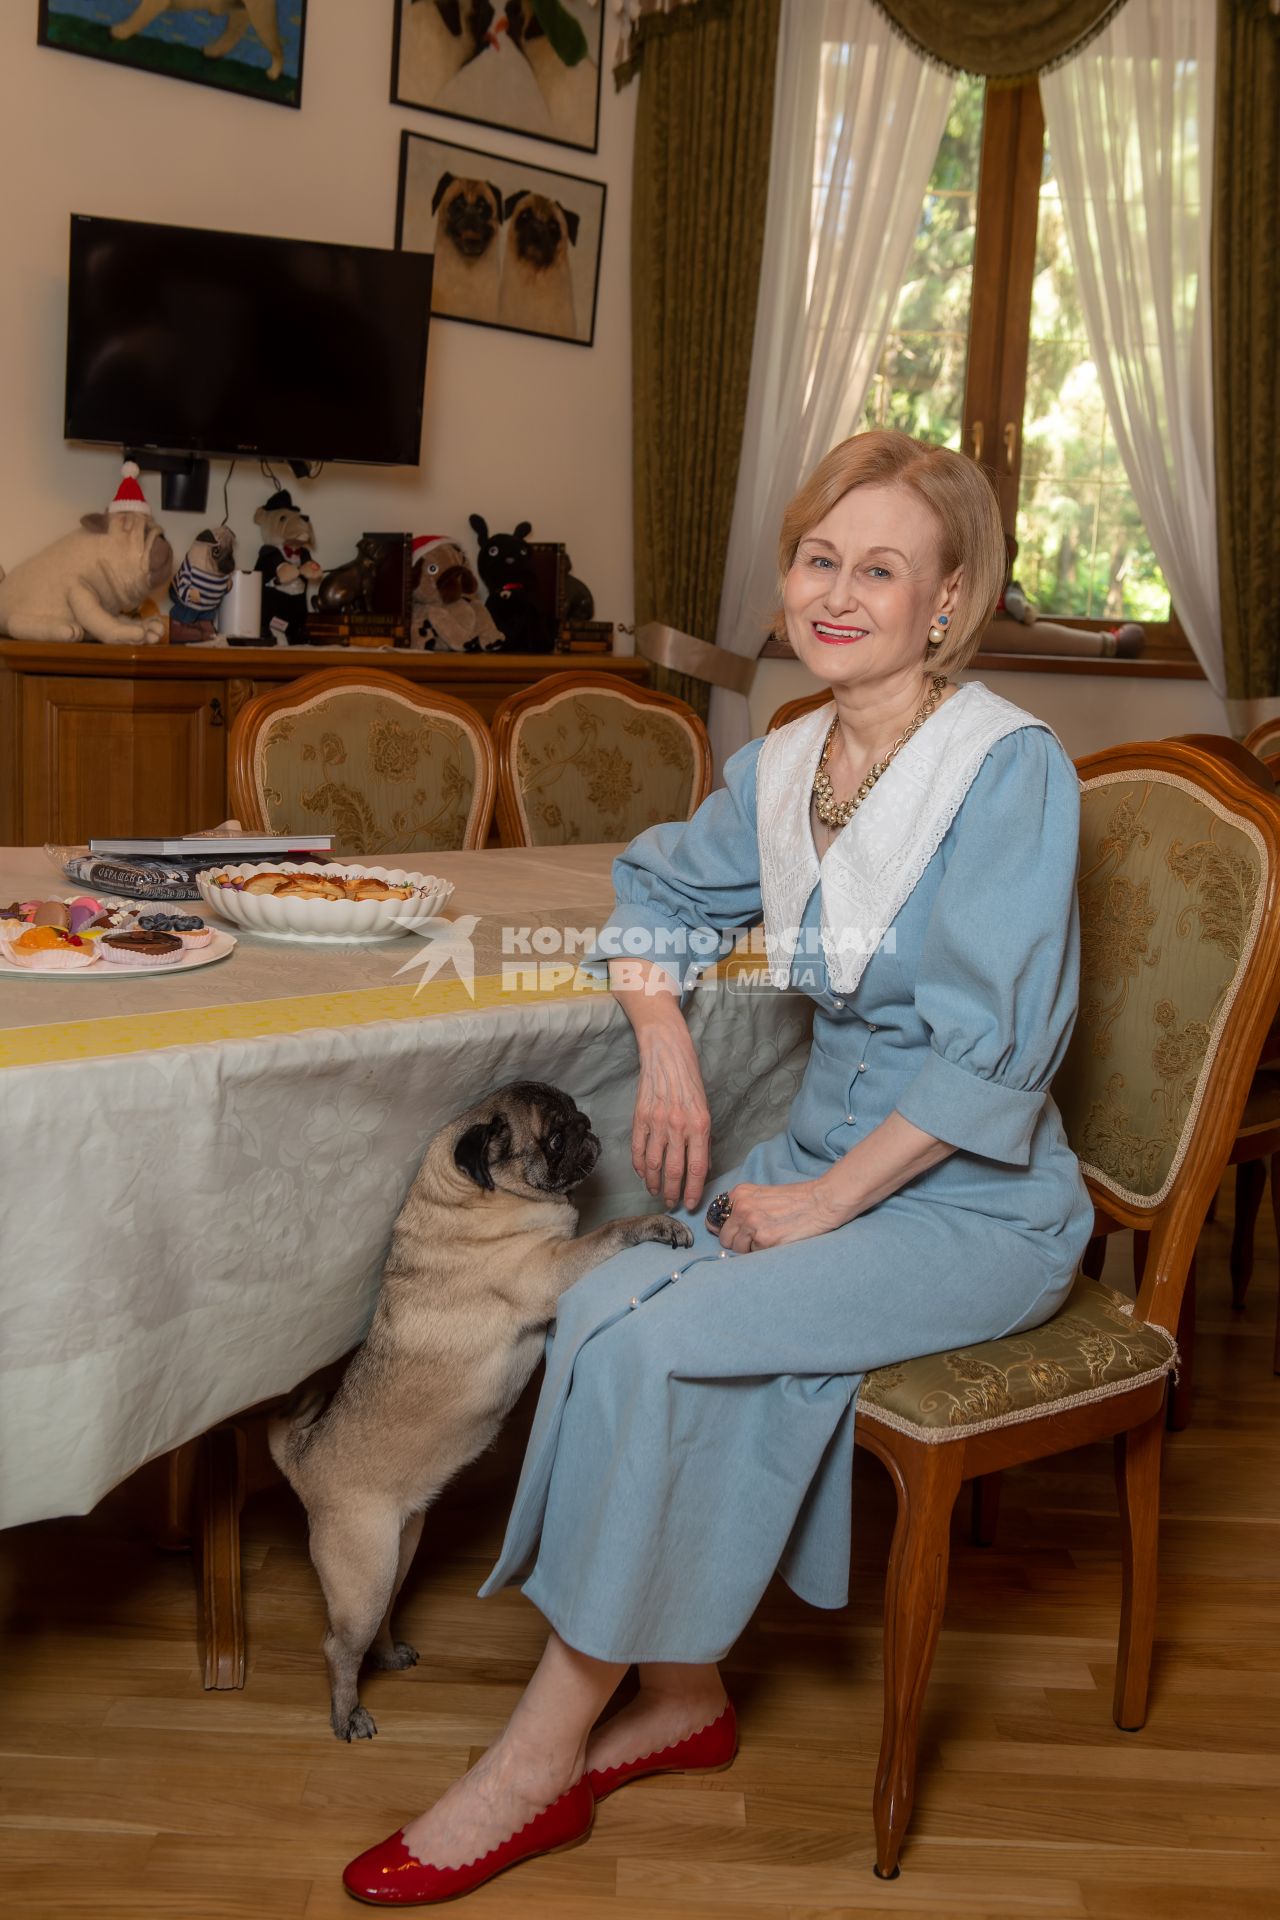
1246, 343
1008, 44
703, 125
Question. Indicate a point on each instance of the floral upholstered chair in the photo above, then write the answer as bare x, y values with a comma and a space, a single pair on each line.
584, 758
387, 767
1265, 740
1179, 893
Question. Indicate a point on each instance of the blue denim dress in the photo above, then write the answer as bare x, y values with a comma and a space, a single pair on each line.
695, 1428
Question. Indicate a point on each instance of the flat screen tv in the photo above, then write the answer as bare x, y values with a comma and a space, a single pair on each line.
192, 341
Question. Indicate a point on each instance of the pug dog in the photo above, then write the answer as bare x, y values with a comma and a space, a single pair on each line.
537, 277
468, 254
483, 1248
86, 585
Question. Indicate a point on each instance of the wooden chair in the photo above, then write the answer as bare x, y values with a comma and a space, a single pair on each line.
1264, 740
582, 759
796, 709
387, 767
1180, 913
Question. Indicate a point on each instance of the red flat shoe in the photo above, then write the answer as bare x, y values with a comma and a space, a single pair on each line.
709, 1751
389, 1876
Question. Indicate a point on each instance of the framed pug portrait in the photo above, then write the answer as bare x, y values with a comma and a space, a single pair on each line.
241, 46
530, 66
515, 246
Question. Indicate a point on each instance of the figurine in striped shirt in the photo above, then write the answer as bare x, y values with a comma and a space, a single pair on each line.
201, 584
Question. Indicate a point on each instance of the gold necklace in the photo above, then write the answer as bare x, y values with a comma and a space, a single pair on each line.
838, 813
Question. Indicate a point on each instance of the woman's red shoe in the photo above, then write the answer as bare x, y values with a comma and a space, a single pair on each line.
389, 1876
709, 1751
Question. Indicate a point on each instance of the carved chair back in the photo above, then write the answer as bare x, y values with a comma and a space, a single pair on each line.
386, 766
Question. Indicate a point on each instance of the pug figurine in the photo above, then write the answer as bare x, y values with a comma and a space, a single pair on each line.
201, 584
89, 584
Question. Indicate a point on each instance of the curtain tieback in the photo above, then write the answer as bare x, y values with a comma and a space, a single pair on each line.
668, 647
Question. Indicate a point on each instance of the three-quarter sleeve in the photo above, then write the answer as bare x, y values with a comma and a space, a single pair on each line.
685, 889
999, 966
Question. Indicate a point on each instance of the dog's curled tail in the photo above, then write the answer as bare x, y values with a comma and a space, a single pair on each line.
288, 1433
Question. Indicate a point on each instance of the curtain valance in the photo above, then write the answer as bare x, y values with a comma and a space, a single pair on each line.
1007, 45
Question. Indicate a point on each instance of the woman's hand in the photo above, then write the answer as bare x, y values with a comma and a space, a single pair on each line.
772, 1216
671, 1132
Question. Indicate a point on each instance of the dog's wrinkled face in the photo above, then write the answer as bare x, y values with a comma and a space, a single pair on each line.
539, 231
469, 217
213, 550
527, 1139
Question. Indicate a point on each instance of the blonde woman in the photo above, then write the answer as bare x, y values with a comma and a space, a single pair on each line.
911, 850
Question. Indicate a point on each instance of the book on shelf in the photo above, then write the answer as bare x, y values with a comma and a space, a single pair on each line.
585, 636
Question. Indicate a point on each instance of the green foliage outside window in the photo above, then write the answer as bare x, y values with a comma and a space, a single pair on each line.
1084, 552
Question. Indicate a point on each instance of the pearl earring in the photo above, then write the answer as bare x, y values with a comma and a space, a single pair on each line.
936, 636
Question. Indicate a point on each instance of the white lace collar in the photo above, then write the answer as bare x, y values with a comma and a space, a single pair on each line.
869, 870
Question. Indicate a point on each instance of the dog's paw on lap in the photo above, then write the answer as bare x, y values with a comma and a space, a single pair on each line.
660, 1226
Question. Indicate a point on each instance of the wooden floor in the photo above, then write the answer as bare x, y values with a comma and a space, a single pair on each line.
126, 1792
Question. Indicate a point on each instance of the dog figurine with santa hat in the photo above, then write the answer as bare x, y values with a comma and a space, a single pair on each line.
287, 566
447, 614
88, 585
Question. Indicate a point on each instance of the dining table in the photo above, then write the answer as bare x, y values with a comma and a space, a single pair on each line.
201, 1168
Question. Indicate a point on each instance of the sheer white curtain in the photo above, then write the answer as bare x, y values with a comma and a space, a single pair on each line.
857, 121
1130, 124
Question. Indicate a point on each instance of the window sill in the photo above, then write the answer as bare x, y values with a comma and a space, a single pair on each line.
1161, 661
1143, 668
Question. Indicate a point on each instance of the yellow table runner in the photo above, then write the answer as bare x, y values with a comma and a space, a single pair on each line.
117, 1034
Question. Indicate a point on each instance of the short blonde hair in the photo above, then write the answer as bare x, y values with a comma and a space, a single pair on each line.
962, 501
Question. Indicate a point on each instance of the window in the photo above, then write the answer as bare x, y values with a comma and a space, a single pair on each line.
987, 352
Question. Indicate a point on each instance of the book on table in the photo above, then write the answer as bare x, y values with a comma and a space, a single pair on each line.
249, 846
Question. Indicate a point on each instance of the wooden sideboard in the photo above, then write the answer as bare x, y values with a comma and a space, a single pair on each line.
133, 740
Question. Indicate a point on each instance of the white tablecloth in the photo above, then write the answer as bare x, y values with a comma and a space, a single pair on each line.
200, 1171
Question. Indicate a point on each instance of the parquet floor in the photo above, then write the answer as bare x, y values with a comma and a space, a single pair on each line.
127, 1793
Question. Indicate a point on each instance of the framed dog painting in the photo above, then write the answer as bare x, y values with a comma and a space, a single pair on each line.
515, 246
243, 46
531, 66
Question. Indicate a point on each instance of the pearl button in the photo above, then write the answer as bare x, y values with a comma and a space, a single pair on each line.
634, 1301
873, 1029
848, 1119
839, 1005
675, 1276
862, 1066
724, 1253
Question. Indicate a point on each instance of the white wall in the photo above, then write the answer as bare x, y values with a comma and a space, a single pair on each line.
514, 428
1086, 711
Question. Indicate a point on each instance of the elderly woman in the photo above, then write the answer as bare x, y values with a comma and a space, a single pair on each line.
911, 848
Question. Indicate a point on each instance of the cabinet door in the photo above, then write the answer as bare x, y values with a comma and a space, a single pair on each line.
121, 756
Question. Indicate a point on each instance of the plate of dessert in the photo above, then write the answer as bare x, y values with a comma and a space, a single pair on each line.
97, 941
341, 904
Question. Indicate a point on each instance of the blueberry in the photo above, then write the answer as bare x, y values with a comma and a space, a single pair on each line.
147, 922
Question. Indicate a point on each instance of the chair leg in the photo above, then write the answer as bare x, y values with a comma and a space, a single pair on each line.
1251, 1184
1095, 1257
220, 1496
1138, 1485
1275, 1214
986, 1509
927, 1480
1180, 1390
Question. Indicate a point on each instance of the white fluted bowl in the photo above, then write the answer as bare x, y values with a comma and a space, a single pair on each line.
340, 922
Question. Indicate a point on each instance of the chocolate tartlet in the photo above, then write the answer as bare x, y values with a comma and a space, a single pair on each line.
139, 949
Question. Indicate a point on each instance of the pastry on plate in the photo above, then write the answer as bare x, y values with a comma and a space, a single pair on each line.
139, 949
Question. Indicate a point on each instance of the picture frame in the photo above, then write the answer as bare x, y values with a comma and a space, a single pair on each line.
174, 38
516, 246
538, 75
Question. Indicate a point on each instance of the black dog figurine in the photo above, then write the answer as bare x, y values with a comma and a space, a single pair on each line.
506, 567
